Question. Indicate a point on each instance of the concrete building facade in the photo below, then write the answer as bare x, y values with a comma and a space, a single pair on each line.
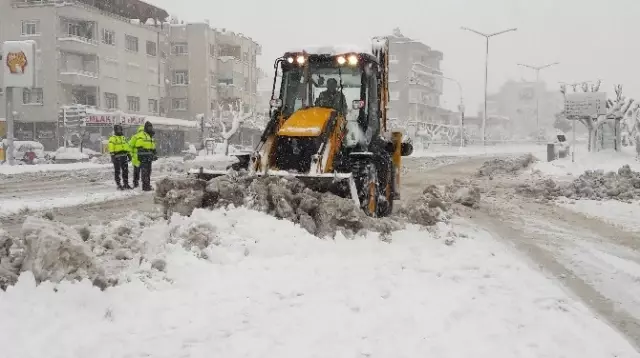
210, 67
123, 56
85, 55
414, 92
516, 101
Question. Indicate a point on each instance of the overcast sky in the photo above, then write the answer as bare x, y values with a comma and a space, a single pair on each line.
591, 39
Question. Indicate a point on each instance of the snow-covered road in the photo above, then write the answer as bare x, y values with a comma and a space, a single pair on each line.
270, 289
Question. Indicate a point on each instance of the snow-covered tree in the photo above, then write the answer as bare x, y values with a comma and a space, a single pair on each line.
616, 110
238, 117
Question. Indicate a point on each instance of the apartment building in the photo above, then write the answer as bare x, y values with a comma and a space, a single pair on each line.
91, 52
210, 67
414, 92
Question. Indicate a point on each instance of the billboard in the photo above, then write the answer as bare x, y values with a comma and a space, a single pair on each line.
19, 63
585, 104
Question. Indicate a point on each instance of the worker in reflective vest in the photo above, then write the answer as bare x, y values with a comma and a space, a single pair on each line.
143, 152
120, 155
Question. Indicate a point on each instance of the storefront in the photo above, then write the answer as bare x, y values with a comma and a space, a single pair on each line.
170, 132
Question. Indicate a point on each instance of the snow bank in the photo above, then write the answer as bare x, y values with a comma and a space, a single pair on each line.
6, 169
321, 214
623, 185
506, 166
266, 287
607, 160
13, 206
478, 150
74, 154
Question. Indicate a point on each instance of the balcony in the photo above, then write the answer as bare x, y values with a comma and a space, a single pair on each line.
228, 91
77, 77
78, 36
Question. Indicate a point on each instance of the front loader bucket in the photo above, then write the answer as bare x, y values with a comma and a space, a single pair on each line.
206, 174
340, 184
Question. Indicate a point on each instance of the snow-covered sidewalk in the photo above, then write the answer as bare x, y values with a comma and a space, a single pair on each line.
7, 169
270, 289
13, 206
478, 150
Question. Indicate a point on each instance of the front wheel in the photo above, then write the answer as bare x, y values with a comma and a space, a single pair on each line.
368, 189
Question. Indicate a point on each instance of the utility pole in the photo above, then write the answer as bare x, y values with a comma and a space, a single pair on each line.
537, 69
486, 72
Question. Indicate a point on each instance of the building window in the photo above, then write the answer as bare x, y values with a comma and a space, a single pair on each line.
131, 43
393, 58
245, 57
133, 103
32, 96
111, 100
212, 50
152, 50
394, 95
153, 105
30, 28
179, 48
108, 37
180, 78
212, 79
179, 104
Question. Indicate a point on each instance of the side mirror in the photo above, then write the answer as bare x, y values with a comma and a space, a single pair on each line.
275, 103
357, 104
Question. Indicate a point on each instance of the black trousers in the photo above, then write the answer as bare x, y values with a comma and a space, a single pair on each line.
145, 172
121, 168
136, 175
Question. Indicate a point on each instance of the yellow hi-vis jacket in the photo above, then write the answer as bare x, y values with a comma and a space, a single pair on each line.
141, 144
118, 145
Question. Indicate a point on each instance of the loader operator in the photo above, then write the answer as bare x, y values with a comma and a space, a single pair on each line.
120, 156
143, 153
332, 98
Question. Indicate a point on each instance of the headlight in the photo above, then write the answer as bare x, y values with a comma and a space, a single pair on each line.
341, 60
290, 59
300, 60
353, 60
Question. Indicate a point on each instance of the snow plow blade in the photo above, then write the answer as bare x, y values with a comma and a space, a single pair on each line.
340, 184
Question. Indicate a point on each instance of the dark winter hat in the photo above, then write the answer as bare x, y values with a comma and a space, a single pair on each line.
117, 129
148, 127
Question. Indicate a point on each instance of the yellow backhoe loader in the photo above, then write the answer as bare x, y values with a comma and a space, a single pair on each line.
328, 127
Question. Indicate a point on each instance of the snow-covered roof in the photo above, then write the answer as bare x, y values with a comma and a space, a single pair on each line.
331, 50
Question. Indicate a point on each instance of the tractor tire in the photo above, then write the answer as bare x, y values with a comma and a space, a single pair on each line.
387, 191
368, 188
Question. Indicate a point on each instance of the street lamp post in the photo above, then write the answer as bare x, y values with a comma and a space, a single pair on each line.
486, 72
537, 69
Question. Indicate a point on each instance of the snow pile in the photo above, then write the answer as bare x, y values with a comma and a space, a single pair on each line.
101, 159
427, 209
55, 252
270, 289
50, 250
74, 154
321, 214
623, 185
511, 165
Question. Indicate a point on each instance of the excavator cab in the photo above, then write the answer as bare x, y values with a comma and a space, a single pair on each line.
328, 127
